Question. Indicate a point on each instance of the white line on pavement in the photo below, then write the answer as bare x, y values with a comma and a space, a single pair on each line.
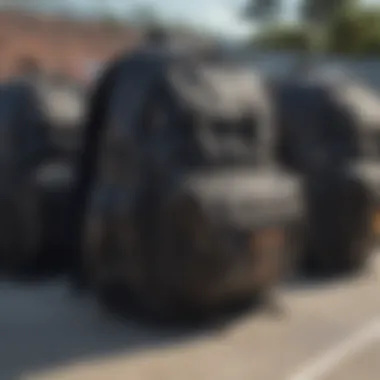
323, 364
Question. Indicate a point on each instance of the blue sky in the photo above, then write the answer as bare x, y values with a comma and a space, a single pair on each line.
215, 15
219, 16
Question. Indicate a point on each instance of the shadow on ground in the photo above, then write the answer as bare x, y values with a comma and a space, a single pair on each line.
42, 326
305, 283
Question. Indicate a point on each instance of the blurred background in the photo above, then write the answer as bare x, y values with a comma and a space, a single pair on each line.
43, 328
73, 39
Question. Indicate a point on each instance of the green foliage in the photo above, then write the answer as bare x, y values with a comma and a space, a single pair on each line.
322, 11
336, 26
355, 32
283, 37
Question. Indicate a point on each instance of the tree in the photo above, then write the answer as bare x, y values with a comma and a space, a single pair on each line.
321, 11
283, 37
343, 26
318, 14
262, 10
355, 32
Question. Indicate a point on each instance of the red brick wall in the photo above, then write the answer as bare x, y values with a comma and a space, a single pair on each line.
58, 45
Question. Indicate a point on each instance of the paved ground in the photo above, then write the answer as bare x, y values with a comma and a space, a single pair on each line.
330, 332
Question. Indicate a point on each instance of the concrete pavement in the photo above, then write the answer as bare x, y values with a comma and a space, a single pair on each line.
329, 332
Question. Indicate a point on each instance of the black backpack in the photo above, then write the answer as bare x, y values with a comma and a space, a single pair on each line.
24, 140
155, 119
